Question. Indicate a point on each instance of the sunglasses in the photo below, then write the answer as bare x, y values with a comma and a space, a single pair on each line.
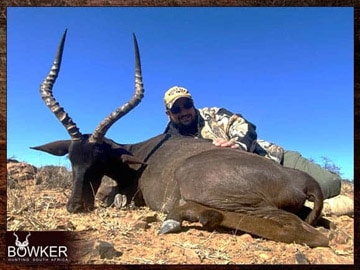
177, 109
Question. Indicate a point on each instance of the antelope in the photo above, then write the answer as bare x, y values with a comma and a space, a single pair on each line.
186, 178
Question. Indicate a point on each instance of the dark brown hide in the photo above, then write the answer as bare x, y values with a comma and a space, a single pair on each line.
192, 170
90, 162
190, 179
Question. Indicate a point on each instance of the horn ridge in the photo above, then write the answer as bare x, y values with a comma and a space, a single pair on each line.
47, 94
99, 133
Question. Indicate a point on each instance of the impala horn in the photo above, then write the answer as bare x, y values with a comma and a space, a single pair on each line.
47, 94
99, 133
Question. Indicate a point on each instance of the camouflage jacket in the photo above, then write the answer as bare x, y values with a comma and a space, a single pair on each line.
216, 122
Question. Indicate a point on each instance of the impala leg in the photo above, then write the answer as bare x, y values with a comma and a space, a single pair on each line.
321, 221
193, 212
273, 224
270, 223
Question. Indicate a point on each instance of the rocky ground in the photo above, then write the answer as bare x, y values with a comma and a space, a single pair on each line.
36, 199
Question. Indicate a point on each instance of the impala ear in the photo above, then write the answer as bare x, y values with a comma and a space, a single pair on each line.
57, 148
133, 162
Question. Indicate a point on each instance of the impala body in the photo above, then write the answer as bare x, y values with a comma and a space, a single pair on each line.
187, 178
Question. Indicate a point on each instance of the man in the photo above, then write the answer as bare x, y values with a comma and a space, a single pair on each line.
226, 129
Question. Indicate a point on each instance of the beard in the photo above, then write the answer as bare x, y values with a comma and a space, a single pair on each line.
188, 128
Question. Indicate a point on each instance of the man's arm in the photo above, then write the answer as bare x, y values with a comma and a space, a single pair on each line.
227, 129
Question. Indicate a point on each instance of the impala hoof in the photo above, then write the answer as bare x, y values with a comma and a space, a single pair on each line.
120, 200
170, 226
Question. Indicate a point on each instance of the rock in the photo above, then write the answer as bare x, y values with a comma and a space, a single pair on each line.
89, 250
265, 256
247, 238
143, 221
20, 171
141, 225
105, 250
192, 257
151, 218
322, 255
300, 258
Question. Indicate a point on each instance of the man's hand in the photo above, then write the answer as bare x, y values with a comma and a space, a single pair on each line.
225, 143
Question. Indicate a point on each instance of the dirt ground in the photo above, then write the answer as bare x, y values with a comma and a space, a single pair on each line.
35, 206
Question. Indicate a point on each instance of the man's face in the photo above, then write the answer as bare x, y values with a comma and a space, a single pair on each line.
182, 112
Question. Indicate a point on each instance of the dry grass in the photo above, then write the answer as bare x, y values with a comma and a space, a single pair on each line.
39, 205
54, 177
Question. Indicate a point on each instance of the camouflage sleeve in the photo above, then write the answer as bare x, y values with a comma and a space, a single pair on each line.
270, 151
221, 123
241, 130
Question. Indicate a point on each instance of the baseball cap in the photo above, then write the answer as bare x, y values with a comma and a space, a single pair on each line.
173, 94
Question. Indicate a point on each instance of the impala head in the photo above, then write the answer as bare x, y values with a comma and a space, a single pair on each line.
92, 155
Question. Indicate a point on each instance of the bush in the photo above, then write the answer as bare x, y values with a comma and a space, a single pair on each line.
54, 177
330, 166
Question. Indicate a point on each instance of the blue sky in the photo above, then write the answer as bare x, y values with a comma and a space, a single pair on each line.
287, 70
